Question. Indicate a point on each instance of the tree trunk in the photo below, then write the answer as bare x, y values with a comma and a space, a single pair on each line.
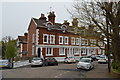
116, 44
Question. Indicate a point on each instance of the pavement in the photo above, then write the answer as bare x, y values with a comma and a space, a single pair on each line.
21, 63
101, 71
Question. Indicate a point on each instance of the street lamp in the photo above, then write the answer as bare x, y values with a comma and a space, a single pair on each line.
108, 47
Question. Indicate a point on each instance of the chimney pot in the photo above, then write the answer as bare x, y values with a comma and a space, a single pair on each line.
51, 17
75, 22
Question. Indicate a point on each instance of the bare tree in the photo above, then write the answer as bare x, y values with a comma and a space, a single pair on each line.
101, 15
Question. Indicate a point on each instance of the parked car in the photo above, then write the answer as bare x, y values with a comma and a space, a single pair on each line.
37, 62
5, 63
85, 63
93, 57
69, 60
103, 59
51, 61
77, 58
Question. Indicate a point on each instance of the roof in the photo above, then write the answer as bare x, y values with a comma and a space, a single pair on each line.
22, 39
56, 26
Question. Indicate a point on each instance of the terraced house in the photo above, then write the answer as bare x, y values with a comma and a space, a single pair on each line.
46, 38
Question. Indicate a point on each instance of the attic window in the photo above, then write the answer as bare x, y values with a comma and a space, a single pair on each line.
49, 25
63, 27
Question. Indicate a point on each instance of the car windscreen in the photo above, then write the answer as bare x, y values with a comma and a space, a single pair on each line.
85, 60
36, 59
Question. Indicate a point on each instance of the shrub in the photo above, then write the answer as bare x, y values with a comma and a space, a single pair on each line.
116, 65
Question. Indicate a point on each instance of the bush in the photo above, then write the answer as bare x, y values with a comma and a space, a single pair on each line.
116, 65
18, 58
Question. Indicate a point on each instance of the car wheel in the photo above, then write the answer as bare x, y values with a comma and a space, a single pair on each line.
41, 65
56, 63
46, 64
78, 68
10, 66
90, 68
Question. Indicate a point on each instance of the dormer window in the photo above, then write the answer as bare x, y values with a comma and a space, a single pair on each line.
63, 27
49, 25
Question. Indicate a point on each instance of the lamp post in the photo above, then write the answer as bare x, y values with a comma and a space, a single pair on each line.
108, 47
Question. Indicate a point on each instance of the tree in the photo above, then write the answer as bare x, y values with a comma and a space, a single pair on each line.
102, 15
10, 49
4, 42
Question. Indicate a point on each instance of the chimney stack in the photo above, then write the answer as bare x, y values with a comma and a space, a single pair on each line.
51, 17
26, 35
66, 23
75, 22
42, 18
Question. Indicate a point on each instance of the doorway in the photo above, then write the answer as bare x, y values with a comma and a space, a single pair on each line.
39, 52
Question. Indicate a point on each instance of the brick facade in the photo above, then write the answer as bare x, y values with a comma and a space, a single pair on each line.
51, 39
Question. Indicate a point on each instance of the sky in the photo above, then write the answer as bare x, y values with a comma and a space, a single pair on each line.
16, 16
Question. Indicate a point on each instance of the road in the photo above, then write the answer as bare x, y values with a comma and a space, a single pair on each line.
60, 71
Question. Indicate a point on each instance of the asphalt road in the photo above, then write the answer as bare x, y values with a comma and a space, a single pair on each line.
60, 71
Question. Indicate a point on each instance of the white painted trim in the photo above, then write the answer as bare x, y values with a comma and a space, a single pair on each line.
37, 51
82, 41
66, 42
99, 51
51, 52
65, 46
47, 38
76, 50
53, 39
37, 36
77, 43
59, 39
33, 49
33, 38
84, 52
60, 52
34, 21
73, 42
21, 47
85, 41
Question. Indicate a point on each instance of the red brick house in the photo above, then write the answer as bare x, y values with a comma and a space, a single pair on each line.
46, 38
22, 45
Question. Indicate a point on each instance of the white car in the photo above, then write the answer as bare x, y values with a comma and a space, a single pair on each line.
69, 60
85, 63
5, 63
103, 59
36, 61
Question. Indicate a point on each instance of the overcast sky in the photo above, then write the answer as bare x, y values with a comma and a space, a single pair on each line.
16, 16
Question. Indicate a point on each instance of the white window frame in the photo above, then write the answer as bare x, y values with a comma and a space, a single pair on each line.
77, 41
82, 41
53, 39
100, 43
93, 42
99, 51
47, 38
72, 40
49, 52
76, 51
84, 52
60, 51
66, 42
85, 41
59, 39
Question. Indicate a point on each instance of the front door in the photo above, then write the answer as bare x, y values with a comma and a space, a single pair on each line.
39, 52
